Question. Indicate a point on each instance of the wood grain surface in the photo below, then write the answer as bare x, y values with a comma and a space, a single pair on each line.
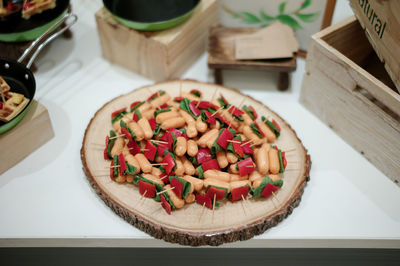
231, 221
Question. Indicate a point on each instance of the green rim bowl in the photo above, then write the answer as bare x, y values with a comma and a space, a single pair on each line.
154, 26
30, 34
7, 126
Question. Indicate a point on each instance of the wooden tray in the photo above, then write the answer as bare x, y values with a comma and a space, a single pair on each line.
231, 221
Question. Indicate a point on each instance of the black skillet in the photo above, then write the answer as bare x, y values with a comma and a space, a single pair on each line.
150, 15
19, 77
14, 28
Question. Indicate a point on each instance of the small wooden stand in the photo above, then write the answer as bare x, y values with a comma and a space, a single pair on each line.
33, 131
221, 49
158, 55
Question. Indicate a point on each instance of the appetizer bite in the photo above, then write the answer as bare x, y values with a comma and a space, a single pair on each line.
32, 7
11, 103
185, 149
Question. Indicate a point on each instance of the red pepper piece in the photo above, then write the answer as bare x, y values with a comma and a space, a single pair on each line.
122, 164
237, 148
223, 98
146, 189
247, 149
217, 192
178, 187
170, 163
254, 112
125, 132
106, 148
153, 96
204, 105
134, 104
164, 106
268, 190
235, 111
165, 205
259, 129
150, 151
224, 137
135, 117
246, 166
167, 138
237, 193
195, 91
276, 124
153, 123
114, 114
194, 109
284, 160
210, 165
161, 148
178, 99
204, 200
178, 133
203, 155
133, 147
112, 170
210, 118
164, 177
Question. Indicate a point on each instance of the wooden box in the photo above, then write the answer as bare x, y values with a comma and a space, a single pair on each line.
33, 131
381, 22
347, 87
159, 55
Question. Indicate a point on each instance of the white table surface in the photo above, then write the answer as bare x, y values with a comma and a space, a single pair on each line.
45, 200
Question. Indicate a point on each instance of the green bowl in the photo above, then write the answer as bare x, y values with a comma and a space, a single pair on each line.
7, 126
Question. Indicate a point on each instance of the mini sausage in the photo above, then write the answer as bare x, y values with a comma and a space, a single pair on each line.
120, 179
136, 129
262, 160
148, 114
200, 125
160, 100
202, 141
117, 126
190, 198
252, 136
143, 162
267, 132
176, 122
222, 160
232, 169
132, 161
191, 130
166, 115
217, 183
129, 178
190, 96
247, 119
231, 157
118, 147
255, 175
145, 125
156, 171
189, 168
180, 170
212, 139
236, 177
196, 183
215, 174
178, 203
274, 165
181, 146
237, 184
145, 106
192, 148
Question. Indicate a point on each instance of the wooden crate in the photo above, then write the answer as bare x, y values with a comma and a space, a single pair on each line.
342, 88
381, 22
159, 55
33, 131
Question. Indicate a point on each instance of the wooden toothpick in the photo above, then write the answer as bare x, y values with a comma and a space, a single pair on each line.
215, 92
119, 136
219, 109
215, 196
234, 141
165, 190
157, 164
158, 141
276, 198
291, 150
202, 210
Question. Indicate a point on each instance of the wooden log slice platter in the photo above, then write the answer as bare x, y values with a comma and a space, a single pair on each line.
231, 221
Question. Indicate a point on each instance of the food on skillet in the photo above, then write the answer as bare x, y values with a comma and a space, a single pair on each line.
8, 7
32, 7
184, 149
11, 103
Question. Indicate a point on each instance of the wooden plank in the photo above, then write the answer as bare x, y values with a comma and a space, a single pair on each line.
381, 22
33, 131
